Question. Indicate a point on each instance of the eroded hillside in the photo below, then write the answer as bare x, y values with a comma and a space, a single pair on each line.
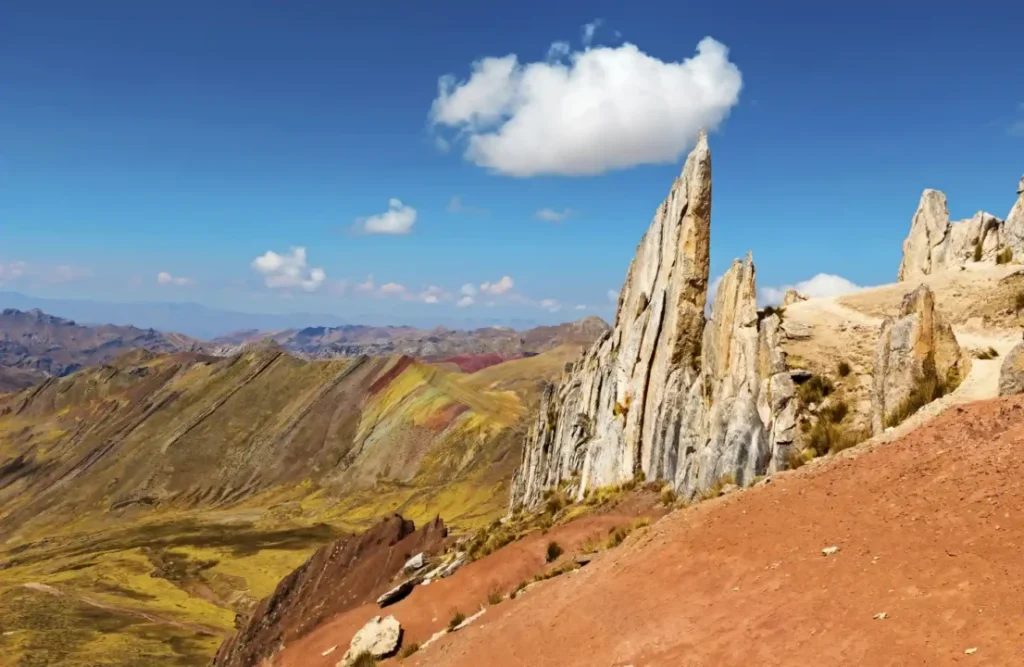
146, 502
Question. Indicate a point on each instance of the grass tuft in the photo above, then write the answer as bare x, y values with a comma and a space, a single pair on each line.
990, 353
843, 369
554, 550
364, 659
924, 393
815, 389
456, 620
495, 596
408, 650
1005, 256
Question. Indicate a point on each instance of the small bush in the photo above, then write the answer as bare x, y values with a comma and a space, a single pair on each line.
641, 523
990, 353
364, 659
815, 389
408, 650
827, 437
716, 489
668, 496
771, 310
456, 620
843, 369
796, 459
616, 536
553, 552
1005, 256
495, 596
836, 411
977, 250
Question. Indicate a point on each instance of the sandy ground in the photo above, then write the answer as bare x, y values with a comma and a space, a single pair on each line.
929, 529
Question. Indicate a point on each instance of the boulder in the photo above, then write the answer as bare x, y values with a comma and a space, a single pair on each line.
917, 357
791, 297
380, 638
1011, 372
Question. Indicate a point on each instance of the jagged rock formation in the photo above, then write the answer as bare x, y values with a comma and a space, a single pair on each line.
665, 393
1011, 372
916, 354
935, 244
339, 576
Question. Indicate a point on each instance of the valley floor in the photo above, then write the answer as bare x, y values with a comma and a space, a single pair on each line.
929, 530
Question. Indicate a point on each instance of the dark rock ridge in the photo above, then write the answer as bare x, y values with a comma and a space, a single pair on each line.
340, 576
667, 392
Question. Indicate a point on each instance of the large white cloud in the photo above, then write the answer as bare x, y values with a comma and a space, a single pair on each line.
398, 219
587, 112
821, 285
289, 270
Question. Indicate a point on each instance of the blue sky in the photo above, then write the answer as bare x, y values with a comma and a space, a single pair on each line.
190, 139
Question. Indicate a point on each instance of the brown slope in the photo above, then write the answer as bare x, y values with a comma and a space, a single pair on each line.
929, 529
342, 575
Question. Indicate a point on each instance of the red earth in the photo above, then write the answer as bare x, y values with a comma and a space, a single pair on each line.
929, 571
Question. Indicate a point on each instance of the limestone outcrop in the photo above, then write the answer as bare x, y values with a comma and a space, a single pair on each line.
1011, 372
935, 244
665, 392
917, 359
380, 638
791, 297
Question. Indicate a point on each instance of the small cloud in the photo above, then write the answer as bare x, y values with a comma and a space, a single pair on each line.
581, 307
288, 271
166, 279
367, 285
821, 285
12, 270
613, 296
497, 288
465, 301
588, 31
551, 215
469, 289
398, 219
442, 145
392, 289
456, 205
550, 305
434, 294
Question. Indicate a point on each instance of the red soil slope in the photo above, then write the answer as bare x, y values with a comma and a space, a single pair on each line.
930, 530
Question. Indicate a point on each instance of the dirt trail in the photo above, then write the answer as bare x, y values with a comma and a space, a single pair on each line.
929, 528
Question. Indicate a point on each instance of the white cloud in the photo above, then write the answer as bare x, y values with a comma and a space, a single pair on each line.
367, 285
607, 108
12, 270
551, 215
588, 31
581, 307
289, 270
465, 301
469, 289
434, 294
550, 305
398, 219
391, 289
821, 285
165, 278
501, 287
442, 145
558, 50
456, 205
613, 296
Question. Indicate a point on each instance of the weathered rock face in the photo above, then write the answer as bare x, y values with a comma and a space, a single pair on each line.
1011, 372
935, 244
1014, 227
339, 576
791, 297
662, 393
913, 350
